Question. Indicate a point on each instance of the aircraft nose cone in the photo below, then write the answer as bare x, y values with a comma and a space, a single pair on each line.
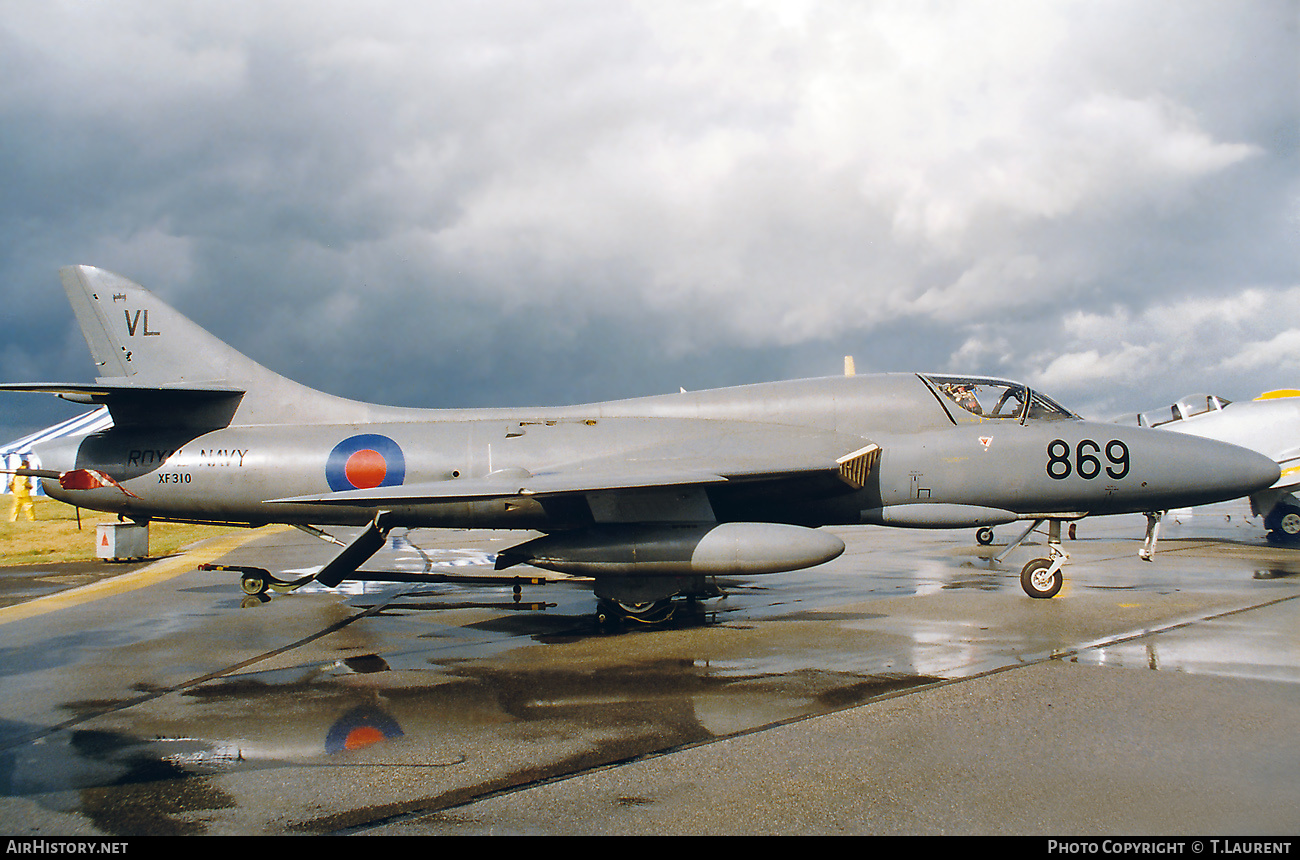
1181, 470
1235, 472
1258, 471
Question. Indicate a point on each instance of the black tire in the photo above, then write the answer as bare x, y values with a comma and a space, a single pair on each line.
984, 536
1036, 583
1284, 524
650, 612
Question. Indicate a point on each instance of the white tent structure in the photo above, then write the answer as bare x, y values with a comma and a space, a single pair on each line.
15, 452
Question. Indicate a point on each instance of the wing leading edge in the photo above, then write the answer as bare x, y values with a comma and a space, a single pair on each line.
500, 486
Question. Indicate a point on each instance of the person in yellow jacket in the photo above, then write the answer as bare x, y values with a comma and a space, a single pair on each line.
21, 487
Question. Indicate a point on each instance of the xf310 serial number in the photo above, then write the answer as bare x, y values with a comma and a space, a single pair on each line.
1086, 459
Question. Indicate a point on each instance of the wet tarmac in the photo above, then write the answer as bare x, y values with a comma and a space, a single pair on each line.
907, 687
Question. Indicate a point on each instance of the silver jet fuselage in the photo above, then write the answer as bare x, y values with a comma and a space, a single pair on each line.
939, 466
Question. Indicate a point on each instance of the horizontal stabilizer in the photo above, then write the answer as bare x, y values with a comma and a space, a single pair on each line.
78, 390
192, 406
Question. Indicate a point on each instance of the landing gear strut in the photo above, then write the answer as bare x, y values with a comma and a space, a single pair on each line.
1148, 550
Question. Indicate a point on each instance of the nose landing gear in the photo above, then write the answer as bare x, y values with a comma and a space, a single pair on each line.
1041, 578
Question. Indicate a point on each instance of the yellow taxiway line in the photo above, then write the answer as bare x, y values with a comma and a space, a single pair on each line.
159, 571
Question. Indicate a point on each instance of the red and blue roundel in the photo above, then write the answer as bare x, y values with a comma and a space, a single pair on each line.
359, 728
365, 462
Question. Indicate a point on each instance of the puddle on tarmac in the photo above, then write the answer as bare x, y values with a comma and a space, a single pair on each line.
1218, 647
153, 773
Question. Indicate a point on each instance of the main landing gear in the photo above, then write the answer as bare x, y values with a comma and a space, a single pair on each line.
650, 600
613, 612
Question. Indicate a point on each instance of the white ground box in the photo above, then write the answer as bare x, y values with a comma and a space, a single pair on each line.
119, 541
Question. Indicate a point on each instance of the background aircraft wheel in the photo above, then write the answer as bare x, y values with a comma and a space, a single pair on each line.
984, 536
1284, 524
253, 583
1037, 582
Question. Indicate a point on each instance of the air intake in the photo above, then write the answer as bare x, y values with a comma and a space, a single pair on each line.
855, 468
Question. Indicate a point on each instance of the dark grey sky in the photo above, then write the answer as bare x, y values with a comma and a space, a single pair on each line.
498, 203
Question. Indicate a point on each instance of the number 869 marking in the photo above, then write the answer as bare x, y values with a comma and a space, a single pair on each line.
1085, 462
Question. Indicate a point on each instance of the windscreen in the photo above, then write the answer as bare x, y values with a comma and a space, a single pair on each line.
999, 399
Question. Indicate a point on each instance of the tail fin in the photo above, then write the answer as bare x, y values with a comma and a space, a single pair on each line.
146, 352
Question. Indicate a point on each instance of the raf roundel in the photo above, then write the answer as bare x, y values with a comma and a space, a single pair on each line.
365, 462
361, 727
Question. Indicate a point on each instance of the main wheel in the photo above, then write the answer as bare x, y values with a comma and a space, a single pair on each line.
650, 612
1038, 581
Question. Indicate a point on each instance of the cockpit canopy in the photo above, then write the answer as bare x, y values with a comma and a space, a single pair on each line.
998, 399
1193, 404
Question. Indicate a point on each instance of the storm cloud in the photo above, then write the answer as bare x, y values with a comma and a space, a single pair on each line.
497, 203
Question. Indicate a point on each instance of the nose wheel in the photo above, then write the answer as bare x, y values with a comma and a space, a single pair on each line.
1042, 578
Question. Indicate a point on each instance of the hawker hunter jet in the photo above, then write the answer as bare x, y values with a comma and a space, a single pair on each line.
650, 497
